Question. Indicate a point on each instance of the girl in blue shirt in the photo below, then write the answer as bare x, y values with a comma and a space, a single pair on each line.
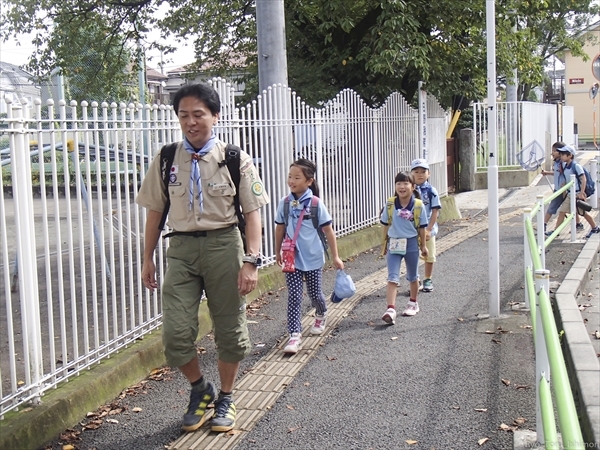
309, 253
403, 243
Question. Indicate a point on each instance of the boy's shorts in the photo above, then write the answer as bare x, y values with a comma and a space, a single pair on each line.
565, 207
555, 204
430, 250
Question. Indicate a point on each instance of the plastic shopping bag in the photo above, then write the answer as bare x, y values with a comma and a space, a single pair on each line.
344, 287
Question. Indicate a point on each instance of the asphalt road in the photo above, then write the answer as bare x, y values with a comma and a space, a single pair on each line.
444, 379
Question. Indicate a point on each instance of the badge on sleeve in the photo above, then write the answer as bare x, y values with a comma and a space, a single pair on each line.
257, 188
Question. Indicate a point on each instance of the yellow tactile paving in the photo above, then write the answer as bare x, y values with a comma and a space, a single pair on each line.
258, 389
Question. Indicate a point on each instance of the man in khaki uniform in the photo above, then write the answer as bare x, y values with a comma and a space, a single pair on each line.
205, 251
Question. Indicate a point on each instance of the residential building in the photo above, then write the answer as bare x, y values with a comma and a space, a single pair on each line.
581, 77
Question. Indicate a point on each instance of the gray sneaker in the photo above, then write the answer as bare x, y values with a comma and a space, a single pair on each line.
427, 285
197, 414
224, 418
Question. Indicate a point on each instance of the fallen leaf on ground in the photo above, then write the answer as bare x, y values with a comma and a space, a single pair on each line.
331, 358
496, 341
112, 420
505, 427
506, 382
411, 442
483, 441
289, 407
394, 338
68, 447
521, 386
292, 429
233, 432
137, 409
460, 319
251, 321
481, 409
520, 420
489, 332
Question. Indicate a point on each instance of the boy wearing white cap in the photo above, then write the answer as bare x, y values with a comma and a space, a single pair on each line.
431, 200
567, 155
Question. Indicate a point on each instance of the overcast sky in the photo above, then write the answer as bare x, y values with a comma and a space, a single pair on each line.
13, 53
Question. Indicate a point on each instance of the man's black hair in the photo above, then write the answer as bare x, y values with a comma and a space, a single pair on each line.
201, 91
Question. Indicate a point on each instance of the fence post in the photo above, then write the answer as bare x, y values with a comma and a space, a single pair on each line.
541, 236
377, 158
573, 195
27, 261
594, 175
542, 364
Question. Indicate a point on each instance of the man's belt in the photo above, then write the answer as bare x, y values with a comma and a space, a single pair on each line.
202, 233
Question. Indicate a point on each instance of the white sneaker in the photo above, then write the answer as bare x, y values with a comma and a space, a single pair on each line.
293, 344
412, 308
390, 316
319, 325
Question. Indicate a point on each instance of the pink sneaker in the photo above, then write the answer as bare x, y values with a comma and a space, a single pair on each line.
412, 308
293, 344
390, 316
319, 325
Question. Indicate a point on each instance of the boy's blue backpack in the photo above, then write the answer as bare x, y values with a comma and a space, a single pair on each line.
590, 187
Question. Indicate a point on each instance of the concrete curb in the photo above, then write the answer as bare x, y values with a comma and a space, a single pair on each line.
582, 363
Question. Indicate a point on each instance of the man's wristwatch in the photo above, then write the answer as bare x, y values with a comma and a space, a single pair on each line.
255, 260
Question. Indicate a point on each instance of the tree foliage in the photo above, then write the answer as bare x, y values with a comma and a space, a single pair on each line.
372, 46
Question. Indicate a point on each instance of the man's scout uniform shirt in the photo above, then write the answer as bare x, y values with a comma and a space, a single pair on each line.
218, 190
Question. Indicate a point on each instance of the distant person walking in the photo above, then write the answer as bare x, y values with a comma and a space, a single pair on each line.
431, 201
308, 256
558, 173
405, 220
206, 251
567, 155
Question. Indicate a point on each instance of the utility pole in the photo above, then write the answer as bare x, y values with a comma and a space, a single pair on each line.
272, 59
277, 149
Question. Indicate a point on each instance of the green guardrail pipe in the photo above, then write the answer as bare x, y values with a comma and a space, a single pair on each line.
565, 404
548, 423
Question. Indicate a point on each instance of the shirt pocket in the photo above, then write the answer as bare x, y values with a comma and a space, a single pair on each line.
220, 190
180, 204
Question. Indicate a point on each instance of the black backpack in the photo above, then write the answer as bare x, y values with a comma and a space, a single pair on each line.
232, 161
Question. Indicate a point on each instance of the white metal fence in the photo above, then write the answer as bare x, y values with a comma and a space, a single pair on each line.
71, 234
520, 124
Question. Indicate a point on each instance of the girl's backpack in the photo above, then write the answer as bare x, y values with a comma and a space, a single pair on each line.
313, 210
390, 210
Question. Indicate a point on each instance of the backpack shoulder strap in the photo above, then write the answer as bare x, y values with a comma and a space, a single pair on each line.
286, 210
417, 212
314, 206
232, 160
167, 155
390, 203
